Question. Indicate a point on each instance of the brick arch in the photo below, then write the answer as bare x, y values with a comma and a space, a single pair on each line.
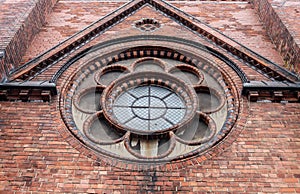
147, 50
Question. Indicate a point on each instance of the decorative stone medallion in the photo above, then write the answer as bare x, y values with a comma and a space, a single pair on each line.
147, 24
148, 110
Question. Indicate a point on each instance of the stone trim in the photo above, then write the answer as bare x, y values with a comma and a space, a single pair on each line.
272, 91
27, 91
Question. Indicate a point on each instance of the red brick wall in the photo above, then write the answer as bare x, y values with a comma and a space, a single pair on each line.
67, 18
235, 19
35, 157
28, 18
280, 20
238, 20
20, 21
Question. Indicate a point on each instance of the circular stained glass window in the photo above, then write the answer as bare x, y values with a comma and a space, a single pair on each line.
145, 103
150, 110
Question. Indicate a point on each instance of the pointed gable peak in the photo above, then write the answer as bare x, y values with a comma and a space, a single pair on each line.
88, 34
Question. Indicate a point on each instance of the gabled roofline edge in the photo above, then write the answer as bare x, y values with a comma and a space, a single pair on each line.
243, 46
188, 22
67, 39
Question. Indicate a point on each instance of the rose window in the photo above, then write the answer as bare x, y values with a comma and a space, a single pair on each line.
149, 109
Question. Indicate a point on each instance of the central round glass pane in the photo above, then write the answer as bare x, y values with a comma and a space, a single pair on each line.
149, 108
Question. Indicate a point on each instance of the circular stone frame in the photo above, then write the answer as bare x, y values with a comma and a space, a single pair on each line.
174, 84
235, 104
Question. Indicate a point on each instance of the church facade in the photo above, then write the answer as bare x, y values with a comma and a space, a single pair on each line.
150, 96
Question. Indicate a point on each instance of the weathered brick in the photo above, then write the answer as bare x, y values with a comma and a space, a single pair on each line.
37, 156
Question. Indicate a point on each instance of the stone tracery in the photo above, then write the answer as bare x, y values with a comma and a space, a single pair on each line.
126, 112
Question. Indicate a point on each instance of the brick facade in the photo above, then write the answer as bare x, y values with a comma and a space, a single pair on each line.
263, 158
39, 154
